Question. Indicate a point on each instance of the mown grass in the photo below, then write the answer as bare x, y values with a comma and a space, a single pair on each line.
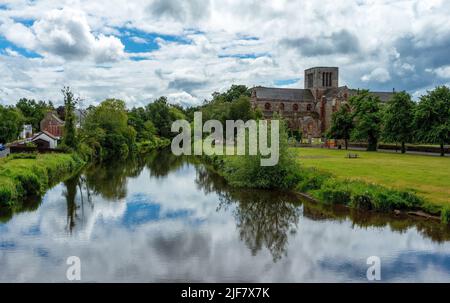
427, 176
24, 175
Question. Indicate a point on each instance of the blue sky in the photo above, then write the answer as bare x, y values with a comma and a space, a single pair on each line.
186, 50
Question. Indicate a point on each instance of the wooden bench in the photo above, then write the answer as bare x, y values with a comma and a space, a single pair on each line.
352, 156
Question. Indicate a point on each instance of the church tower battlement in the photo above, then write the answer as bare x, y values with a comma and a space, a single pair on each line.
321, 78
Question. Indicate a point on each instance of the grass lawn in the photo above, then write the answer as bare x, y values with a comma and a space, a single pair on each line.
428, 176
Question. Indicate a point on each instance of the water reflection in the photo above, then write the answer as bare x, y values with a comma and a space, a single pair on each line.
167, 218
264, 219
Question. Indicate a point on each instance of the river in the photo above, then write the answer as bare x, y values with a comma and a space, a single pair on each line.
169, 219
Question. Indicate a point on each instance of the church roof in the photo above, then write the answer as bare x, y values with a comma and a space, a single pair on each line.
332, 92
285, 94
384, 96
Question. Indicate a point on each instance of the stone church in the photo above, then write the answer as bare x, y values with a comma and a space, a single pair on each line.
309, 109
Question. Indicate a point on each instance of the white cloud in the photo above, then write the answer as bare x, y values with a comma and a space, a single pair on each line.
443, 72
18, 34
379, 74
108, 48
138, 40
11, 52
377, 45
66, 33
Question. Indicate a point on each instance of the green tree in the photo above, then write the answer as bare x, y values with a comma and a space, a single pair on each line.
70, 131
241, 109
234, 104
233, 93
137, 117
432, 117
32, 111
342, 124
106, 130
162, 114
398, 119
11, 121
367, 118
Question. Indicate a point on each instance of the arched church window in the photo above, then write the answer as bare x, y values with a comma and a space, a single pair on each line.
308, 107
267, 106
281, 106
295, 107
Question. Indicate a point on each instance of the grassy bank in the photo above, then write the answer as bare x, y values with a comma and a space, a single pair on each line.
427, 176
23, 175
375, 181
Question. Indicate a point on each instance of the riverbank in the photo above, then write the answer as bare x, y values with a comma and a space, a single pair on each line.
329, 188
25, 175
425, 175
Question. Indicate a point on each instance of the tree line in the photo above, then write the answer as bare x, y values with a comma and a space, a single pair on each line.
111, 130
401, 120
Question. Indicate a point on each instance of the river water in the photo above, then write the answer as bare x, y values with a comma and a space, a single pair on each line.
169, 219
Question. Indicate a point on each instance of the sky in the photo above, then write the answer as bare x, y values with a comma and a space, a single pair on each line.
141, 49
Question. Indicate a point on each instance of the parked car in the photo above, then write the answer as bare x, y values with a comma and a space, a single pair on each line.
2, 147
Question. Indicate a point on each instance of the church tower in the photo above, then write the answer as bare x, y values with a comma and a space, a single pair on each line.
321, 78
318, 80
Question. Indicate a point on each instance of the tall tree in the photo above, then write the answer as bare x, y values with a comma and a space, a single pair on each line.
432, 117
70, 102
32, 111
398, 119
367, 118
234, 92
11, 121
342, 124
241, 109
162, 114
106, 130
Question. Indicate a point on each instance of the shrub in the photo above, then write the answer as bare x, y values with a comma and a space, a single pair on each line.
29, 183
8, 191
22, 156
86, 152
335, 192
357, 194
312, 179
445, 215
362, 201
246, 170
147, 146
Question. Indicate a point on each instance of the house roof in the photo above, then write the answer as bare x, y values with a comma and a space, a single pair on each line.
54, 116
285, 94
45, 133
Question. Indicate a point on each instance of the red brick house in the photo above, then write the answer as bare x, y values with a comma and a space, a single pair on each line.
52, 124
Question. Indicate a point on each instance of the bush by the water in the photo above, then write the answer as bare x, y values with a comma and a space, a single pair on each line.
145, 147
362, 195
311, 179
29, 174
247, 171
445, 215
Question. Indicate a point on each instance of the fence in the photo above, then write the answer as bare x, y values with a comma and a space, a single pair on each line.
15, 149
